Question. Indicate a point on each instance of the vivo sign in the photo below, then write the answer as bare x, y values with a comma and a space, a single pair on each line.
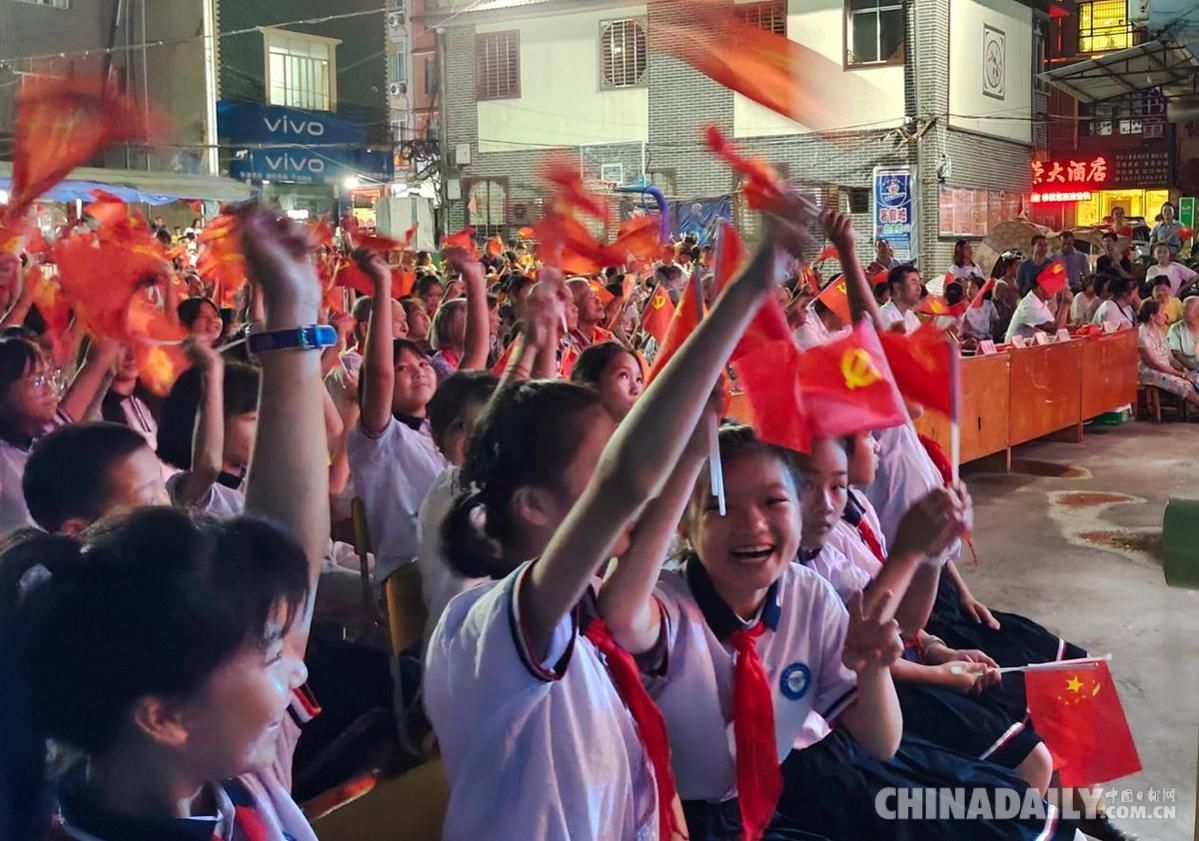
284, 126
289, 163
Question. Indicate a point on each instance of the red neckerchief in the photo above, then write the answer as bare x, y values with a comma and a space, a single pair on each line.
759, 780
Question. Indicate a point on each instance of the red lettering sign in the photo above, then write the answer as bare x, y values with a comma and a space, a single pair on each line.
1070, 175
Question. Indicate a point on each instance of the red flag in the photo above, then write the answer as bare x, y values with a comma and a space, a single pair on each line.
49, 299
687, 316
1185, 233
775, 395
221, 262
464, 239
770, 322
730, 254
982, 293
570, 193
84, 258
639, 238
322, 234
847, 385
350, 276
1056, 11
62, 123
1053, 277
158, 366
402, 283
763, 188
1078, 714
835, 296
937, 305
525, 233
601, 292
107, 209
922, 366
495, 247
658, 314
783, 75
826, 253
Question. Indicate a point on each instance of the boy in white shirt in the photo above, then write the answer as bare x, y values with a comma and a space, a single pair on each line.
906, 289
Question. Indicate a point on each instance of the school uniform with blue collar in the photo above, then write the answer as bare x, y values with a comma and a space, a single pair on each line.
829, 781
534, 746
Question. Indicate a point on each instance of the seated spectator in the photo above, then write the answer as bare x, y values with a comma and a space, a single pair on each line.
978, 322
591, 313
1119, 310
1083, 300
1157, 366
884, 259
1169, 304
429, 290
1033, 313
820, 326
963, 265
126, 400
1178, 274
202, 319
1112, 263
615, 372
1026, 276
459, 333
1183, 336
418, 321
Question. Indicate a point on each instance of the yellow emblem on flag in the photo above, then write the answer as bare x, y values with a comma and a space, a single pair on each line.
858, 369
659, 301
841, 286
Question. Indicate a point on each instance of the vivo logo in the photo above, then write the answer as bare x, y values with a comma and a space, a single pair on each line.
290, 163
286, 125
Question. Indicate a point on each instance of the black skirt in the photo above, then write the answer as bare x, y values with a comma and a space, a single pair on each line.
832, 789
974, 725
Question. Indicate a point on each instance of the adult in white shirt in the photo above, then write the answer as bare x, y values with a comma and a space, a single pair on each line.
1120, 309
963, 266
1033, 313
1178, 274
906, 288
978, 322
820, 327
1183, 336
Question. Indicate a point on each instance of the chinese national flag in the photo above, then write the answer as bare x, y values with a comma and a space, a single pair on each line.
847, 385
936, 305
1053, 278
1078, 714
766, 377
63, 123
922, 365
687, 316
836, 298
658, 314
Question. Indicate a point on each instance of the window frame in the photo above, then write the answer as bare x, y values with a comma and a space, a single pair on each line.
273, 32
777, 8
468, 186
900, 56
1128, 31
513, 35
60, 5
604, 25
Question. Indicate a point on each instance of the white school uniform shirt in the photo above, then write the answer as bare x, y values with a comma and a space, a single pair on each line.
846, 539
892, 315
533, 747
1109, 312
14, 514
438, 581
905, 475
837, 569
977, 321
814, 333
1178, 274
1030, 312
393, 474
219, 500
801, 654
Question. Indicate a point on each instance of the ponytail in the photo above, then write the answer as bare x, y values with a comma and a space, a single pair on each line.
470, 552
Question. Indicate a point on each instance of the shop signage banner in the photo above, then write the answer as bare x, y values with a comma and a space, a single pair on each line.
894, 203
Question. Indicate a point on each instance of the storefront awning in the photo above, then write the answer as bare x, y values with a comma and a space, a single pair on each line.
136, 186
1165, 64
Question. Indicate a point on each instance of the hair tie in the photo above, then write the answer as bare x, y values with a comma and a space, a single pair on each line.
31, 579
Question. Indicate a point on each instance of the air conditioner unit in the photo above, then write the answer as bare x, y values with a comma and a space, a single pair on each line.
395, 19
396, 89
520, 211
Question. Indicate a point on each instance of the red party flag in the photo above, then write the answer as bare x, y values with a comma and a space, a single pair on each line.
1077, 712
49, 299
687, 316
847, 385
770, 322
638, 238
934, 305
1053, 277
826, 253
495, 247
835, 296
350, 276
658, 314
107, 209
922, 365
158, 366
601, 292
775, 394
61, 124
730, 254
525, 233
570, 194
402, 283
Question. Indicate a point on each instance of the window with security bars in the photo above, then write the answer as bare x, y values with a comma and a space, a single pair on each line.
497, 65
301, 70
770, 16
874, 31
623, 56
487, 207
1103, 26
54, 4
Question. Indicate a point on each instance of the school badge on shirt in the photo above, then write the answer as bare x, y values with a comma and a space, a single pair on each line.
795, 680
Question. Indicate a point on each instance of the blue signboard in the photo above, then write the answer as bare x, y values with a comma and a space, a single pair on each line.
314, 147
895, 209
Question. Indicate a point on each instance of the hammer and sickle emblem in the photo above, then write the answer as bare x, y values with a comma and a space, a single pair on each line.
659, 301
859, 369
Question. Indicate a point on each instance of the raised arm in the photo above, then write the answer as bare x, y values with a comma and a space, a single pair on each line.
208, 437
474, 356
289, 478
638, 459
377, 378
626, 600
92, 380
23, 302
839, 229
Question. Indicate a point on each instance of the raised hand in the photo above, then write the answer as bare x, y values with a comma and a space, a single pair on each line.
276, 250
871, 642
934, 522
